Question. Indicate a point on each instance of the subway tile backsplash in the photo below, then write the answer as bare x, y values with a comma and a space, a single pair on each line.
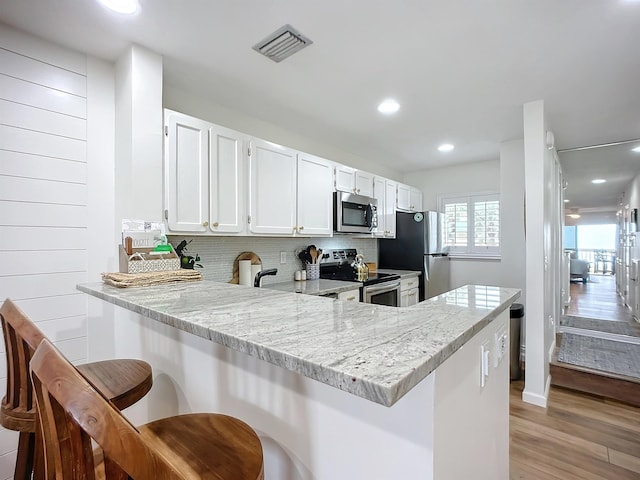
218, 253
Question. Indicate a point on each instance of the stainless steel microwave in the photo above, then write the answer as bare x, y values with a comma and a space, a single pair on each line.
354, 213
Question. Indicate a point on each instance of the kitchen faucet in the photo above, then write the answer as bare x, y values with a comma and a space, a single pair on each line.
259, 275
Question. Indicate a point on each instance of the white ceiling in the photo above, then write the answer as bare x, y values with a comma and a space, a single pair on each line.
617, 164
461, 69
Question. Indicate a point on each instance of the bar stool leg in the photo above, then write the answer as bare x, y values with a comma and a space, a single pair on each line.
24, 459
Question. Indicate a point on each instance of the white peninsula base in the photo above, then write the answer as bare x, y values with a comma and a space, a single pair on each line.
447, 427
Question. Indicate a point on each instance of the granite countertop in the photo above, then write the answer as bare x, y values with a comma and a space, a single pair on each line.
402, 273
376, 352
314, 287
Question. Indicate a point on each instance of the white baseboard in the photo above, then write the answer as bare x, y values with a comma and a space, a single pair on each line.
536, 398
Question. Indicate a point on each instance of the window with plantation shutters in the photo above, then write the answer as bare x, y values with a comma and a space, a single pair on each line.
472, 224
457, 225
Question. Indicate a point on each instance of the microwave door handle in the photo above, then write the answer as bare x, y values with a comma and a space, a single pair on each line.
368, 217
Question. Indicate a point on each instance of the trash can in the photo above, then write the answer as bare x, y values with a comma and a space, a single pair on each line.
516, 315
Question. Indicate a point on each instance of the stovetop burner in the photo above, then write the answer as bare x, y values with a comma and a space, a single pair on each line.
336, 265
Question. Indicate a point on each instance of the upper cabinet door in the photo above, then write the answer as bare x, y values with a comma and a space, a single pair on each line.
415, 199
384, 190
390, 208
364, 183
409, 198
315, 199
272, 192
345, 179
226, 161
186, 173
354, 181
404, 202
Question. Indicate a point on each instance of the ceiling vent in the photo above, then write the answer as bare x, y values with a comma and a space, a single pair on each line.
282, 43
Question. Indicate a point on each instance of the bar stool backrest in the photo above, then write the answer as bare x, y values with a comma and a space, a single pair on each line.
21, 338
72, 412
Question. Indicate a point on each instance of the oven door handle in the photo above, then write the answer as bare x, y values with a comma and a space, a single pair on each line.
372, 290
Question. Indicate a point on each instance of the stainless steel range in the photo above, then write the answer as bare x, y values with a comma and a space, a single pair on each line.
378, 288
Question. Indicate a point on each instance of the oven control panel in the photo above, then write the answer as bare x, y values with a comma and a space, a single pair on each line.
346, 255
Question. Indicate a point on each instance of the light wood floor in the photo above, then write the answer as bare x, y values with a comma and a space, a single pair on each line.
578, 436
597, 299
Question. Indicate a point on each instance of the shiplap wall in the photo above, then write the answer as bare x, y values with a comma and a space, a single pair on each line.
43, 195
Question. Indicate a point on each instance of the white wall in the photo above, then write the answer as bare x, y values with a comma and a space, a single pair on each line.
512, 238
462, 179
185, 102
44, 215
456, 179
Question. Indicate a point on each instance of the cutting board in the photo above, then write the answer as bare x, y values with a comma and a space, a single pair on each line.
255, 260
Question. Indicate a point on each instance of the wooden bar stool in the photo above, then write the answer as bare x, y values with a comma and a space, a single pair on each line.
72, 413
124, 382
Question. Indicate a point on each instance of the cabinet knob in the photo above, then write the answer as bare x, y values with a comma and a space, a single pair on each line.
205, 224
300, 229
412, 294
350, 299
357, 190
216, 224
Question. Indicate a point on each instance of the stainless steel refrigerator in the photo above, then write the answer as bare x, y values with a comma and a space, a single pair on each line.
419, 245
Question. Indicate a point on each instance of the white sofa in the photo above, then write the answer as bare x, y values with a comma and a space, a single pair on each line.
579, 270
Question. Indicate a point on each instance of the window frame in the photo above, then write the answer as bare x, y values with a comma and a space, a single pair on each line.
471, 249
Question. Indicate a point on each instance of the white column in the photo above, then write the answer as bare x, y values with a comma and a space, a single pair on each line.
541, 229
102, 235
138, 135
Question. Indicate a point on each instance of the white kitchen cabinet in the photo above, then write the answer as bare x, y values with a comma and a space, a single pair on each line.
186, 173
390, 200
409, 291
314, 196
272, 188
226, 176
415, 199
409, 198
204, 176
350, 295
384, 191
403, 201
345, 178
353, 181
364, 183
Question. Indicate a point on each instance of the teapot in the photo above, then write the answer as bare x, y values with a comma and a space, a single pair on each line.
361, 269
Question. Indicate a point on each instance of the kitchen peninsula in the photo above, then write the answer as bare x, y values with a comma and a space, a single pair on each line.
334, 389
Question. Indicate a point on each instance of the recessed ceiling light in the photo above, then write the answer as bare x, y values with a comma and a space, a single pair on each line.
598, 180
389, 106
636, 149
573, 215
446, 147
566, 200
128, 7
